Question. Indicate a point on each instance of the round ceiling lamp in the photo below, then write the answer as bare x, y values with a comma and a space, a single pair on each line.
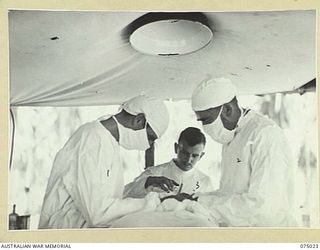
171, 37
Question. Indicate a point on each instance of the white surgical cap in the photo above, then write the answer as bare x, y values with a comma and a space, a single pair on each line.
154, 110
213, 93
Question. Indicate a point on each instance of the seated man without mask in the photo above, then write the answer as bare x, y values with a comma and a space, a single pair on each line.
181, 171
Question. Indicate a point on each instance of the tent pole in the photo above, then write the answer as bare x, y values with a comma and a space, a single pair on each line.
12, 127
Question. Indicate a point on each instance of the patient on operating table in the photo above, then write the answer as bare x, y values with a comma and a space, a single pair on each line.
175, 182
178, 178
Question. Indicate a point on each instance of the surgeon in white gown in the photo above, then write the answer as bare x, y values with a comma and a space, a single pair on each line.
256, 186
86, 182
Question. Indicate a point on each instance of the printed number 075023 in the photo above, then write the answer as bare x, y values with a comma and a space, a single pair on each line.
306, 245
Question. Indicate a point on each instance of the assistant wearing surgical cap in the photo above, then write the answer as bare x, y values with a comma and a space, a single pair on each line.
154, 109
213, 93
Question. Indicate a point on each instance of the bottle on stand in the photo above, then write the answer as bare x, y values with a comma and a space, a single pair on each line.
13, 219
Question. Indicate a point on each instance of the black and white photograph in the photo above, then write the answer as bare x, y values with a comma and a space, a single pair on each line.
131, 119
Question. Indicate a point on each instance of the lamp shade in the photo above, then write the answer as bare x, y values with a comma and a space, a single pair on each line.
171, 37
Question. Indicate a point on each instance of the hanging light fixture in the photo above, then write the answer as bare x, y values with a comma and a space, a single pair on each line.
169, 34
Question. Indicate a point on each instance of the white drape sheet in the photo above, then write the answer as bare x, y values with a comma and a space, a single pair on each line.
170, 213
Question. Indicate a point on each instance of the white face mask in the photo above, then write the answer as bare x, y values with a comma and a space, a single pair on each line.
133, 139
218, 132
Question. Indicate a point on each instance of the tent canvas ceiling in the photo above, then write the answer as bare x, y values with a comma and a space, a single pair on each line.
70, 58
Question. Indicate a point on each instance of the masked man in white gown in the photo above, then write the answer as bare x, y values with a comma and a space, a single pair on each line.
256, 186
86, 182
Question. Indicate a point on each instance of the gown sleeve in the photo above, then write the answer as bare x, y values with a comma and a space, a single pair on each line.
267, 201
98, 183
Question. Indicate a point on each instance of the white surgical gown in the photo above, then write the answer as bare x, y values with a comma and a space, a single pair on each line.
86, 182
256, 187
193, 180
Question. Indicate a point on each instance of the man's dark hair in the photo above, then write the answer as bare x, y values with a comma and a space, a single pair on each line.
192, 136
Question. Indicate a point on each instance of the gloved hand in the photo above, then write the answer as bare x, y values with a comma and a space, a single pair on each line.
185, 196
152, 200
181, 197
164, 183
